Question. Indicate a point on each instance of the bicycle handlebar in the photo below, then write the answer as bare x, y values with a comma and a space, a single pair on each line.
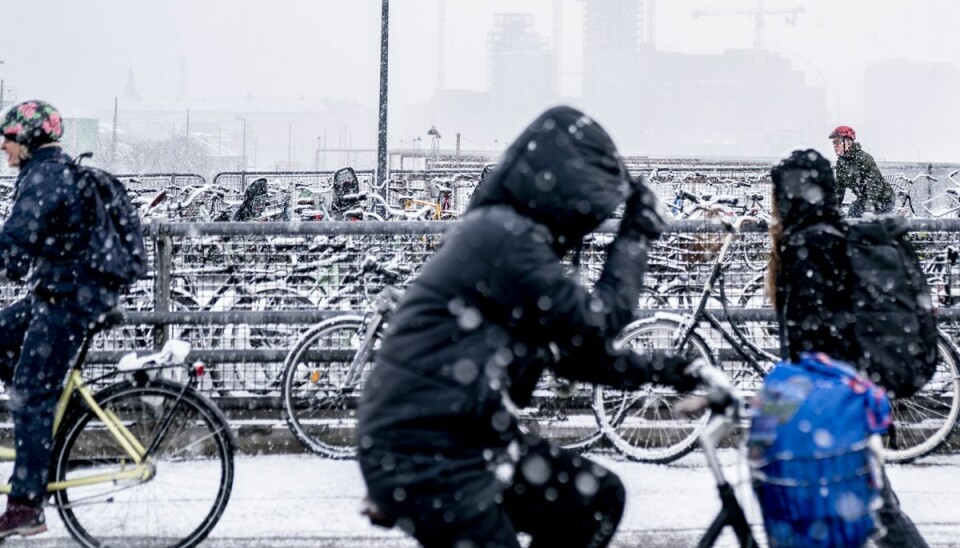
902, 177
720, 397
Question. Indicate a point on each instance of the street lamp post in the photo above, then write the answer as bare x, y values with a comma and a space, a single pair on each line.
382, 129
1, 89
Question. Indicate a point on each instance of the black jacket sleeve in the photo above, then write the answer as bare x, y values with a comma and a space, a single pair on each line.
584, 324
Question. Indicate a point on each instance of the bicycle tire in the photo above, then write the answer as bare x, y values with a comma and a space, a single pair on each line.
318, 409
185, 496
653, 432
925, 421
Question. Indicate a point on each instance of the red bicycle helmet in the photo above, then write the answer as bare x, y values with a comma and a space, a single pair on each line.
843, 132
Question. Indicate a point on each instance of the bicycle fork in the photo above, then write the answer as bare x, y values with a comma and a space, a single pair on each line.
731, 513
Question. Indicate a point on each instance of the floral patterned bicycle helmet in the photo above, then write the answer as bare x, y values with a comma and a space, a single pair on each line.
32, 124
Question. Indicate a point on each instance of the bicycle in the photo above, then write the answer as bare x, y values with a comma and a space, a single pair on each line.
119, 452
645, 425
727, 409
324, 374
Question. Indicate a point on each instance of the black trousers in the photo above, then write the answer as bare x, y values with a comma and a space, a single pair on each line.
38, 339
556, 496
901, 531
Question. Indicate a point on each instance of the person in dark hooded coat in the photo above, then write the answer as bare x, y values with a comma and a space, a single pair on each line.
439, 449
811, 285
47, 234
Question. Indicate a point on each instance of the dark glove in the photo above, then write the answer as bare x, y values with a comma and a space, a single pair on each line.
672, 370
644, 213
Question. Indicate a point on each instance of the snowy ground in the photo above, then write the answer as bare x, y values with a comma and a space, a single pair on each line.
300, 501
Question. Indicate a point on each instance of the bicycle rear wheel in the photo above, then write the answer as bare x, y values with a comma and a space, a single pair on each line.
924, 421
644, 424
319, 402
191, 465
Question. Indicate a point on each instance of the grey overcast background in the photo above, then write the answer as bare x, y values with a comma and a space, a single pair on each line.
887, 67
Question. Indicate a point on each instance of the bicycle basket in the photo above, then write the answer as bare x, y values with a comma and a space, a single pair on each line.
813, 473
819, 502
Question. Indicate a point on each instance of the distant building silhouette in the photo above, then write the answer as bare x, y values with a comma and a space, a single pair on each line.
614, 32
741, 102
130, 89
521, 72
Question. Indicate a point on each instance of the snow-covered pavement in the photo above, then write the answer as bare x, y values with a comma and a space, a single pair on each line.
298, 501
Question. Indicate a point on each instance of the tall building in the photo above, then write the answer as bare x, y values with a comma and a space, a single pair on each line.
521, 72
741, 102
614, 33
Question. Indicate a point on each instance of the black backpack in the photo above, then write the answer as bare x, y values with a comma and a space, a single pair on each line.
895, 322
117, 251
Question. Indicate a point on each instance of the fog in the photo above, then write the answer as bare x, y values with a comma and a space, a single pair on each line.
293, 83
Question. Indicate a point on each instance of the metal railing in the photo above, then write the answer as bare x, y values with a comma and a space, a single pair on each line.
242, 293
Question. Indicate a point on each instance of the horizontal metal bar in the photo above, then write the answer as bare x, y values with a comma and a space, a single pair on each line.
438, 227
233, 317
736, 314
209, 356
213, 355
765, 314
298, 228
307, 317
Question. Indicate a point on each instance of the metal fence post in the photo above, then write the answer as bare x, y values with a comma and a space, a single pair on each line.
161, 284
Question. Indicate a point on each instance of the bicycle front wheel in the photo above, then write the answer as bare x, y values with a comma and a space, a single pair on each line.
924, 421
189, 468
320, 389
644, 424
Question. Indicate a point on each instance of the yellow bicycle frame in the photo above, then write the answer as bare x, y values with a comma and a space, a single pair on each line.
408, 203
130, 444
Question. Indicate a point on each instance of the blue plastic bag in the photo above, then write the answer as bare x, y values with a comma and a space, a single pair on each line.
808, 450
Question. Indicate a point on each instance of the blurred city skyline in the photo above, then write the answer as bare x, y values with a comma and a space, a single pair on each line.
879, 65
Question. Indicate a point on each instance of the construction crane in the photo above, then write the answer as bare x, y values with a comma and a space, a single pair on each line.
759, 14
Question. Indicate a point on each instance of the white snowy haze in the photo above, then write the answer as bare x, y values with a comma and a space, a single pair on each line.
295, 82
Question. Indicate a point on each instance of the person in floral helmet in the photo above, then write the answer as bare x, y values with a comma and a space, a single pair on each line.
29, 126
47, 242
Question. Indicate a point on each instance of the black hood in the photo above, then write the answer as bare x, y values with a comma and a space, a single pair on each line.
804, 190
563, 172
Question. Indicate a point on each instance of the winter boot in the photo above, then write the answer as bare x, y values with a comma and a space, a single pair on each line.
22, 519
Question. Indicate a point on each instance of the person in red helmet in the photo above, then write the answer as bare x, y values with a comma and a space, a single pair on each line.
857, 170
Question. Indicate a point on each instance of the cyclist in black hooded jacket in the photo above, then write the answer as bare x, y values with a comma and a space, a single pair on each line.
809, 277
439, 449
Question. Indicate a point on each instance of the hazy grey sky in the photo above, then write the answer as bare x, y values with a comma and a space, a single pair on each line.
76, 53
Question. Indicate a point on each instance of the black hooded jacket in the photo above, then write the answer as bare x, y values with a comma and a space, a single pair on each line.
813, 292
481, 318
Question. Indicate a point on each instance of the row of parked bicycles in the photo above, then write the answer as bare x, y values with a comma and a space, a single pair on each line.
342, 196
323, 375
